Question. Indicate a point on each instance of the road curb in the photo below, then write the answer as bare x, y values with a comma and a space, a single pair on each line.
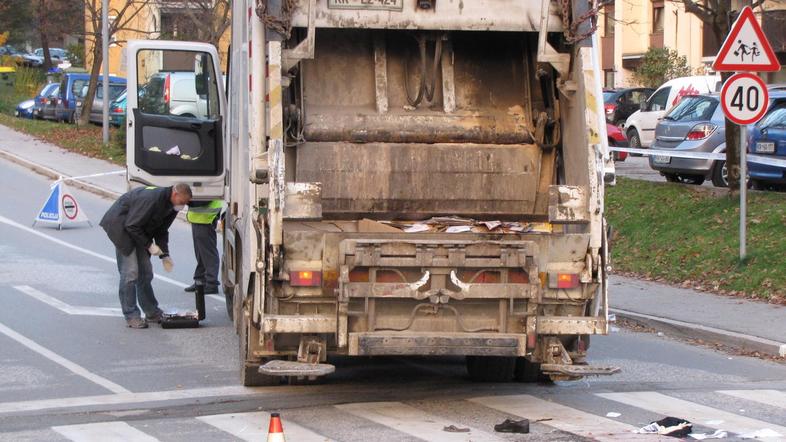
53, 174
705, 333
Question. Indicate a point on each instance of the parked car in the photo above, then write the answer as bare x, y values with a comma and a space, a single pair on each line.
16, 55
768, 138
72, 86
696, 124
42, 97
97, 110
49, 104
640, 126
617, 139
57, 55
24, 109
621, 103
172, 93
117, 110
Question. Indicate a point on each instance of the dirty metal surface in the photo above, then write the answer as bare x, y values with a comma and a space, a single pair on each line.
293, 368
432, 344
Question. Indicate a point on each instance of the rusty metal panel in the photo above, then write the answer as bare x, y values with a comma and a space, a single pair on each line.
482, 181
570, 325
470, 15
406, 290
568, 204
299, 324
303, 201
437, 344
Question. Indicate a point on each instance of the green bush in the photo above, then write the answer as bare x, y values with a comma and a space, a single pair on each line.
77, 54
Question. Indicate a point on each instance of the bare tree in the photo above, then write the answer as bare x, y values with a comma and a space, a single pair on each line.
718, 15
122, 19
54, 18
211, 18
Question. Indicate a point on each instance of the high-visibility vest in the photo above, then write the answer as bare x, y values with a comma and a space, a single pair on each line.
205, 214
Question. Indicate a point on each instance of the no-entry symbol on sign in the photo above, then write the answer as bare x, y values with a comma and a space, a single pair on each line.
744, 98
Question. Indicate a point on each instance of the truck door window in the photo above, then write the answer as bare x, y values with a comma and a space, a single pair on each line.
180, 83
658, 100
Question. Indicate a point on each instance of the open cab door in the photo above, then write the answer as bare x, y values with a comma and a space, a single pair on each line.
175, 116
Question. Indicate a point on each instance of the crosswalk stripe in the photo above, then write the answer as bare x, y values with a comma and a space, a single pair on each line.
768, 397
412, 421
104, 432
701, 414
564, 418
253, 427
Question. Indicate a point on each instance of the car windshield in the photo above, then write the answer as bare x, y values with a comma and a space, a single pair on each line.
693, 108
775, 117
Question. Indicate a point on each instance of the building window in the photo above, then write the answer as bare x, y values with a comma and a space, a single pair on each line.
657, 17
608, 21
608, 79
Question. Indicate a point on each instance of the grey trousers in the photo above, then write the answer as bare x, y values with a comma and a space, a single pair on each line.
136, 275
206, 252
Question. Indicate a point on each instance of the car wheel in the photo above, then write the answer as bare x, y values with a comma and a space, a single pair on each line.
633, 140
720, 174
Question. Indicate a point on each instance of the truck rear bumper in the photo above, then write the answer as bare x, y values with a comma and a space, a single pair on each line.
437, 344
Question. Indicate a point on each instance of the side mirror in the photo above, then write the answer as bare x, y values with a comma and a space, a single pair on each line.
200, 83
202, 66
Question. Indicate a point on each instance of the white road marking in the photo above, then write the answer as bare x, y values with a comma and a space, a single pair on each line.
134, 398
252, 427
415, 422
65, 363
104, 432
768, 397
564, 418
12, 223
671, 406
67, 308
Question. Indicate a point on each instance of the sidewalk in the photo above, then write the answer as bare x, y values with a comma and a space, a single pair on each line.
730, 321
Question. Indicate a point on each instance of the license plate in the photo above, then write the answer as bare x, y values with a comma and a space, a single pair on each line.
765, 147
384, 5
661, 159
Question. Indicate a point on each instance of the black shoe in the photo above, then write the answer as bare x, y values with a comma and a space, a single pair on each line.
211, 289
191, 288
156, 317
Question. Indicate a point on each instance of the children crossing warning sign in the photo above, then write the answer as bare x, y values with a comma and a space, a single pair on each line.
61, 207
746, 47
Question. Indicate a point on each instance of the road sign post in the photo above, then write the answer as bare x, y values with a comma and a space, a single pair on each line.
744, 96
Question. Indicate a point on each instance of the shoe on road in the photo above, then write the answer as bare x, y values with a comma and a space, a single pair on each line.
156, 317
191, 288
136, 323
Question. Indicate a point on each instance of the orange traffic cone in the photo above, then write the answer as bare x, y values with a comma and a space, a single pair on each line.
275, 432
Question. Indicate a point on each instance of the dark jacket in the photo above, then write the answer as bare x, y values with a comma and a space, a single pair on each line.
140, 217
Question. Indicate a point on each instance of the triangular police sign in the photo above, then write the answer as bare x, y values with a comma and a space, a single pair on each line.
61, 207
746, 47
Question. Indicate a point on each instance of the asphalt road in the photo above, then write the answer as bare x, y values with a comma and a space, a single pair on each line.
67, 373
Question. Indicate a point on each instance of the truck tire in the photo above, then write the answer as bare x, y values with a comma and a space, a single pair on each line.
249, 371
491, 368
229, 299
527, 371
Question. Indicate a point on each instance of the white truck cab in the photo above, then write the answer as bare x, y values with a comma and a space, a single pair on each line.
640, 126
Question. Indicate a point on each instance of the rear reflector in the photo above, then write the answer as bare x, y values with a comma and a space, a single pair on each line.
305, 278
563, 280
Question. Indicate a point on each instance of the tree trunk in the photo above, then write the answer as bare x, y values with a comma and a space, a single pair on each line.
732, 150
43, 29
95, 72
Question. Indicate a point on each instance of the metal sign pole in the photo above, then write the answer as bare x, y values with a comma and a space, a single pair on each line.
743, 188
105, 85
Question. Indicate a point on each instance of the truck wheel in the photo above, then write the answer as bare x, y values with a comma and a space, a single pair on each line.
249, 371
527, 371
229, 299
491, 368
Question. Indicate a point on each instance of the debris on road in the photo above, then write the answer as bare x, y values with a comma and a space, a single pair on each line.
613, 414
718, 434
511, 426
455, 429
668, 426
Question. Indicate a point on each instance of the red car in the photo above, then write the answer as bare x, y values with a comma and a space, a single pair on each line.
617, 139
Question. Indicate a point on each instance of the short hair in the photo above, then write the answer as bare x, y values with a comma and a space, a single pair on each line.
183, 189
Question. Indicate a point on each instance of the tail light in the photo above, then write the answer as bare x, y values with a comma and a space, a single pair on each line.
701, 131
563, 280
305, 278
166, 89
117, 110
609, 108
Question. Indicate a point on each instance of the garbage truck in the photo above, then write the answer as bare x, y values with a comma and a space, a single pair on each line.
402, 177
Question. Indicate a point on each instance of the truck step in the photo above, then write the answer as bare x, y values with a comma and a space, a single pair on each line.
578, 370
294, 368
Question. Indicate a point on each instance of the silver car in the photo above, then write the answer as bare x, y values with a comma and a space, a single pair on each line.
695, 124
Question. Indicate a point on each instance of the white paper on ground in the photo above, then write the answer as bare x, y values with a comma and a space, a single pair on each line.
718, 434
613, 414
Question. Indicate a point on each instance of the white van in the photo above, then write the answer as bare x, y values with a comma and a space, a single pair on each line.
640, 126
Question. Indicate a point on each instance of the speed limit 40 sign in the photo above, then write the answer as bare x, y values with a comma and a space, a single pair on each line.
744, 98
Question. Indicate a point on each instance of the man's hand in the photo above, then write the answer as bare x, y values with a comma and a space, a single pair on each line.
167, 263
154, 250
